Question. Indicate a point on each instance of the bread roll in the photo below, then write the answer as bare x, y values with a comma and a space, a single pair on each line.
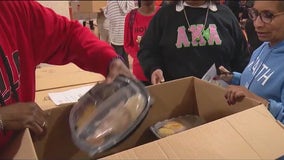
175, 126
164, 132
170, 128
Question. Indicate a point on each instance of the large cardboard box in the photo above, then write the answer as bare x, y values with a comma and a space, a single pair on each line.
91, 6
250, 134
43, 100
58, 76
60, 7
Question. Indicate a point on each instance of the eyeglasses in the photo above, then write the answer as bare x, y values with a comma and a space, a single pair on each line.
265, 16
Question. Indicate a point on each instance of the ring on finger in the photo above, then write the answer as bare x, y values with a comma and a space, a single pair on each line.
43, 124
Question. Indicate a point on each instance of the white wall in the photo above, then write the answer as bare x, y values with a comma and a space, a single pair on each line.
60, 7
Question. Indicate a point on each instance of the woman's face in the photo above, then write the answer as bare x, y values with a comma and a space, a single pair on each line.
195, 2
147, 2
272, 32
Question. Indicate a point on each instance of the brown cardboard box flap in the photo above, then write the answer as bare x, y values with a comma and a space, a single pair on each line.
21, 147
235, 137
261, 131
213, 105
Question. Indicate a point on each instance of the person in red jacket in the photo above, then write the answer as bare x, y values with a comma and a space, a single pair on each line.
31, 34
136, 23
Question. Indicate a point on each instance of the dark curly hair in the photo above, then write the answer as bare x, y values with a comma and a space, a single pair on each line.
177, 1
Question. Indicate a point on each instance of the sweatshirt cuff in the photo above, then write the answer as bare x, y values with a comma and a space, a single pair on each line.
276, 109
236, 78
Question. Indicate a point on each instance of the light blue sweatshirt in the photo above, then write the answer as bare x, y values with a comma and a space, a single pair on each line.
264, 76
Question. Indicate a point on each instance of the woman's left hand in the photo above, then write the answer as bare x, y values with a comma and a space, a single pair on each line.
237, 93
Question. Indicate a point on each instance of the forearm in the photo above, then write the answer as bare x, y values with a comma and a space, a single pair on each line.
66, 41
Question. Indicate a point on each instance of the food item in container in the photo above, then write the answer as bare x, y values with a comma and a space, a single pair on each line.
86, 115
118, 119
116, 110
95, 140
135, 105
164, 132
175, 125
171, 127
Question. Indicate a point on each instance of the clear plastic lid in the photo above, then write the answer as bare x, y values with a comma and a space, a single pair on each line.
107, 114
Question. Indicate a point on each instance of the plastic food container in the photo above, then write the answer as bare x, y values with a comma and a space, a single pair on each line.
107, 114
175, 125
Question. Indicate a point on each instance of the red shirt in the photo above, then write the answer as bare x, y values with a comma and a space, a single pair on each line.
140, 25
158, 2
31, 34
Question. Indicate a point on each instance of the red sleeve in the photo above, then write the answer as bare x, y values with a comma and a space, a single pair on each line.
129, 49
57, 40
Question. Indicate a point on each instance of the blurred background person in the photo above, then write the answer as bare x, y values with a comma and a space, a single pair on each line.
103, 26
185, 38
115, 12
136, 24
235, 7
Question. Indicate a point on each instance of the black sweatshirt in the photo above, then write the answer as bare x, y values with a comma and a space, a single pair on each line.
168, 44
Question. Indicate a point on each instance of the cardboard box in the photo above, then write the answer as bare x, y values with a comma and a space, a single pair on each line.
43, 100
251, 134
91, 6
239, 136
60, 7
54, 76
20, 148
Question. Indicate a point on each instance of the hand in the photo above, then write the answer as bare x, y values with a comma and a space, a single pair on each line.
102, 9
225, 75
157, 77
24, 115
116, 68
138, 40
235, 93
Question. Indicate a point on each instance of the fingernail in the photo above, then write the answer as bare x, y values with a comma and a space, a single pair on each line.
229, 103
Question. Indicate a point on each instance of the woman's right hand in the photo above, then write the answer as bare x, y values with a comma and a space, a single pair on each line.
24, 115
157, 77
224, 75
